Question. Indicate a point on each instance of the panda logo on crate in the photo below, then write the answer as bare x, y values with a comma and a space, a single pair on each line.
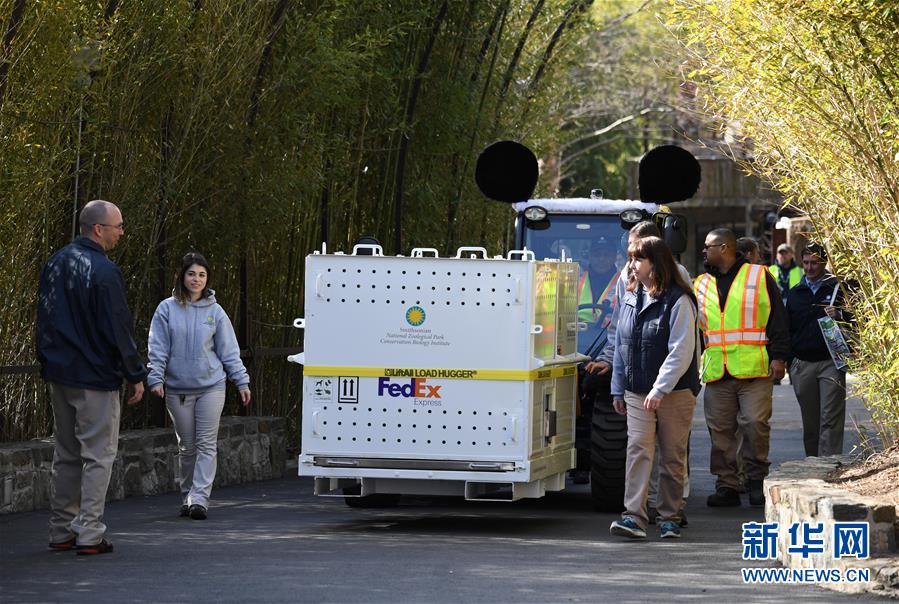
415, 316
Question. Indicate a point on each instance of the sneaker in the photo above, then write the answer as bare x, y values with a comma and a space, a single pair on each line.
197, 512
669, 530
626, 527
62, 546
724, 497
104, 547
185, 511
756, 492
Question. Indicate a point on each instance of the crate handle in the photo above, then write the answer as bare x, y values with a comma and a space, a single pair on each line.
536, 329
299, 323
472, 251
525, 254
419, 252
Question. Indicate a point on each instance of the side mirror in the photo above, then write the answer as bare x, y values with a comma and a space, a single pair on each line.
674, 230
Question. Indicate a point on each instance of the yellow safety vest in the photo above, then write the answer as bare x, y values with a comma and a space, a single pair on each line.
585, 296
734, 339
794, 277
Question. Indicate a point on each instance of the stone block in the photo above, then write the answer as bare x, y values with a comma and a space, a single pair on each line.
847, 511
884, 513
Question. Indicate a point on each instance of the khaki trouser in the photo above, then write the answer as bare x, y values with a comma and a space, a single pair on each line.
671, 424
196, 418
821, 390
733, 405
86, 427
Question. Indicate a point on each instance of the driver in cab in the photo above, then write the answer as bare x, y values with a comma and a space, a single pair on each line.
596, 287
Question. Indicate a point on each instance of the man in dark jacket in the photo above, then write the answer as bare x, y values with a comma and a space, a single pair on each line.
820, 387
86, 349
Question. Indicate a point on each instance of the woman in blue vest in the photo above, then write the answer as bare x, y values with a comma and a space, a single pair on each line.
655, 380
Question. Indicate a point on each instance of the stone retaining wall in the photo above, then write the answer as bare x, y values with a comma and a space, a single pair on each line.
249, 449
797, 492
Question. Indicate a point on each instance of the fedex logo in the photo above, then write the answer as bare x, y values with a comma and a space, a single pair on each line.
416, 387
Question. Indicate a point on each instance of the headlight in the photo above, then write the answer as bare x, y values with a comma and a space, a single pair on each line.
631, 216
535, 213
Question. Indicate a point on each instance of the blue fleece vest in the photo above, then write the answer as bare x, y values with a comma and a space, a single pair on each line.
644, 334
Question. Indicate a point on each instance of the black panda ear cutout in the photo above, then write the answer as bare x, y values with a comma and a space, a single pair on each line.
668, 173
507, 171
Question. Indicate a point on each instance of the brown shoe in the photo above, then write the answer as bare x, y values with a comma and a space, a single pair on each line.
104, 547
62, 546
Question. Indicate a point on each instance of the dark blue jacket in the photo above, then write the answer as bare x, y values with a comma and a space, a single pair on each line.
643, 334
84, 328
805, 308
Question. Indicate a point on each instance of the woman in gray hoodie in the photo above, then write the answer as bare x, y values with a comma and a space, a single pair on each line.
192, 350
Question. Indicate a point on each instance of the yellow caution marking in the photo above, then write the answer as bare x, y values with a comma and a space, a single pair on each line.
546, 373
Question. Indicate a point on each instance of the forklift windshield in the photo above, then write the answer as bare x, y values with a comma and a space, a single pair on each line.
599, 245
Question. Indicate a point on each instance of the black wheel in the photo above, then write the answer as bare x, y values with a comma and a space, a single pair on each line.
379, 500
608, 455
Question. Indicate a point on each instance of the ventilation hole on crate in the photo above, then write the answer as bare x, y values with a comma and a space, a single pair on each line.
443, 441
505, 413
458, 427
473, 442
383, 440
417, 272
429, 410
384, 410
388, 287
369, 424
415, 411
383, 425
478, 289
329, 285
388, 272
474, 427
388, 301
429, 427
444, 427
463, 274
329, 270
325, 423
354, 423
493, 304
373, 286
474, 412
344, 270
368, 439
477, 303
343, 299
413, 441
508, 291
489, 443
399, 425
493, 289
358, 286
339, 423
429, 442
359, 270
325, 407
489, 428
354, 439
460, 412
369, 409
479, 274
462, 303
458, 442
448, 289
494, 275
444, 411
399, 440
404, 272
324, 438
418, 301
328, 300
418, 287
343, 285
508, 274
507, 304
399, 410
373, 301
447, 302
414, 425
338, 438
357, 300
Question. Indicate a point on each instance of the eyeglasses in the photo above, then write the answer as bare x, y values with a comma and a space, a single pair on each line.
708, 245
120, 226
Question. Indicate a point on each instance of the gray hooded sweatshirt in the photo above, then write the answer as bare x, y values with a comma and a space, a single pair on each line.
193, 347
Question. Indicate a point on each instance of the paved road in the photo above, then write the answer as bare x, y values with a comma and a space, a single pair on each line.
274, 541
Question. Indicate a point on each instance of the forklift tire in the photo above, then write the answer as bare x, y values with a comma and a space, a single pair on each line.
379, 500
608, 456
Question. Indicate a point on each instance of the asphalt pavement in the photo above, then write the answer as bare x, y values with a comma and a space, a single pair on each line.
275, 542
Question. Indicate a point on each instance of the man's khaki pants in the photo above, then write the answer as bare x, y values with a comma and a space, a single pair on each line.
86, 428
821, 390
733, 405
671, 424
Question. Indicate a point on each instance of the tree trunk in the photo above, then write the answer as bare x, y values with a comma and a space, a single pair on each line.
407, 125
15, 19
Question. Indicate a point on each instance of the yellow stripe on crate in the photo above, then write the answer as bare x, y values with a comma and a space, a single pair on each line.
546, 373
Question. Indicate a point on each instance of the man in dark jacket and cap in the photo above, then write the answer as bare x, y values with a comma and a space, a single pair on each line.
86, 349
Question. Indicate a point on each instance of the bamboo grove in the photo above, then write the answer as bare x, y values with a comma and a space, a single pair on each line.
813, 87
251, 132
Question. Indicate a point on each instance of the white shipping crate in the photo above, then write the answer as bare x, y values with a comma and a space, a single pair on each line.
436, 375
